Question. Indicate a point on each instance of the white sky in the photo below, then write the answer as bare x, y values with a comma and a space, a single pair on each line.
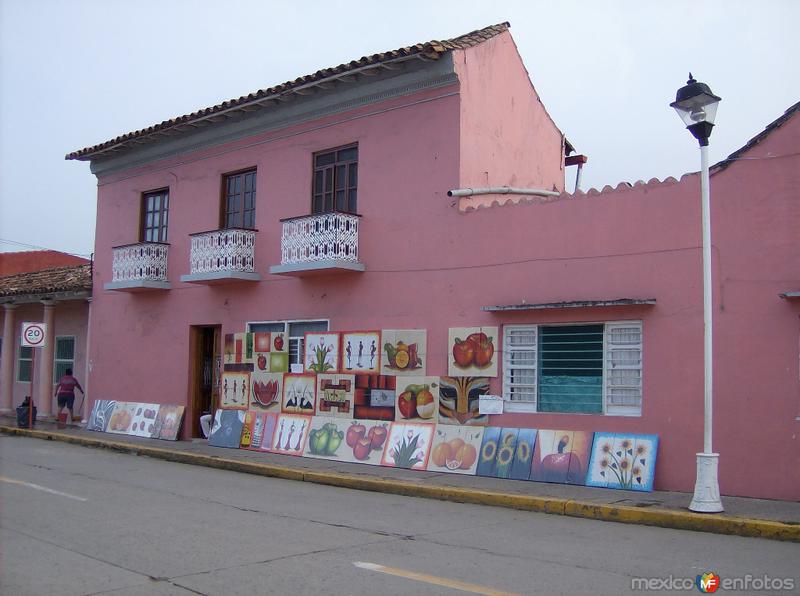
76, 73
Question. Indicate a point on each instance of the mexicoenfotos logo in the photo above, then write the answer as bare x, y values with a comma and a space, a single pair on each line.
708, 583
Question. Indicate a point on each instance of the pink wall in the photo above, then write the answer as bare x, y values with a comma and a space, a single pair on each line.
507, 136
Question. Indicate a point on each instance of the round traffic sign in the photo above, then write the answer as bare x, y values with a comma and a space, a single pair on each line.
33, 335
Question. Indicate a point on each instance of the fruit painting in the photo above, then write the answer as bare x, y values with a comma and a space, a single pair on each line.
458, 400
226, 431
299, 394
623, 461
364, 441
321, 353
122, 418
361, 352
408, 446
144, 420
473, 351
561, 456
404, 351
326, 438
168, 422
265, 391
291, 432
455, 449
417, 399
234, 391
335, 395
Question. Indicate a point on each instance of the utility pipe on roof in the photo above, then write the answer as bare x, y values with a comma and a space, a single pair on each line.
501, 190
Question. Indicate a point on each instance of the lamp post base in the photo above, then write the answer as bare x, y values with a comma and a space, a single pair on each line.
706, 487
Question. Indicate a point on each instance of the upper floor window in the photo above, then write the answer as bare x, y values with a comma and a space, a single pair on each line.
239, 200
155, 212
335, 180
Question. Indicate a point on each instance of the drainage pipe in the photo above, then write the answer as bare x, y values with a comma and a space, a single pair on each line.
501, 190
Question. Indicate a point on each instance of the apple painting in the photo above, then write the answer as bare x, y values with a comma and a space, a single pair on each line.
473, 351
561, 456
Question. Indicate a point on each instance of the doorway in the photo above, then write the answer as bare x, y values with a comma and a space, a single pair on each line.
204, 374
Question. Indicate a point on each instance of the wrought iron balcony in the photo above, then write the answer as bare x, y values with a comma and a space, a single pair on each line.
320, 243
222, 256
139, 267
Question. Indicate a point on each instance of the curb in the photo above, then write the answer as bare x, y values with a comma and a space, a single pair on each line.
664, 518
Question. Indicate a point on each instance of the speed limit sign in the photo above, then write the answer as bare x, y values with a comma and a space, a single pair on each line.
33, 335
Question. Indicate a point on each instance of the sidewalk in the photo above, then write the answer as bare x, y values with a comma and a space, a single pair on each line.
777, 520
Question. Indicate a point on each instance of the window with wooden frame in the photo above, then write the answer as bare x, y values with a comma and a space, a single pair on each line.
25, 362
335, 180
239, 200
64, 356
581, 368
155, 215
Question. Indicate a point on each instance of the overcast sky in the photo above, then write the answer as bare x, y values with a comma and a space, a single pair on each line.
76, 73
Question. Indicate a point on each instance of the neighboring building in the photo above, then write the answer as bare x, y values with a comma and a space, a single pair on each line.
50, 287
327, 204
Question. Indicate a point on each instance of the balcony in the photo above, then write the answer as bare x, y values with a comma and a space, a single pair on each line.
319, 244
139, 267
222, 256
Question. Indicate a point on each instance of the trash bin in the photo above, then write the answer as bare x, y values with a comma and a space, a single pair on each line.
23, 414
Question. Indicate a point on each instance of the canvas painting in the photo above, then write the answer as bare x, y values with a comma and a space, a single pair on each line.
404, 351
374, 397
417, 399
335, 395
408, 445
623, 461
364, 441
561, 456
361, 352
472, 351
235, 392
279, 362
168, 422
458, 400
299, 394
144, 420
487, 458
226, 431
498, 452
455, 449
259, 427
266, 391
326, 438
229, 349
122, 418
321, 353
523, 457
291, 431
100, 415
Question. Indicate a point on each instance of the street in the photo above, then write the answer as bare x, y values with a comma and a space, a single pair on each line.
83, 521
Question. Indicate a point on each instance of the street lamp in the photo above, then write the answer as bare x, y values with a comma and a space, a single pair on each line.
697, 107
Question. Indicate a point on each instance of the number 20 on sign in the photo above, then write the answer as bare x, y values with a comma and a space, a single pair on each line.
34, 334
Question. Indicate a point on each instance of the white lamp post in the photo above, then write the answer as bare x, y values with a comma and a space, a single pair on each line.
697, 107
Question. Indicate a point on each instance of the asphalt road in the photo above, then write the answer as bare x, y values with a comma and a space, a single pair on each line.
75, 520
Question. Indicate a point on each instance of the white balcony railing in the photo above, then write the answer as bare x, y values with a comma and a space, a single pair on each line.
223, 251
320, 237
142, 262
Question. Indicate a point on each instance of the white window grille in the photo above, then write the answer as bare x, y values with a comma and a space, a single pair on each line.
520, 363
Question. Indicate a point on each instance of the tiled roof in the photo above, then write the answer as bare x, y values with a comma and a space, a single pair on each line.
48, 281
36, 260
431, 50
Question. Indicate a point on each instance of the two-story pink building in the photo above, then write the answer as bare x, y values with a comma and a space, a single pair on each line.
323, 204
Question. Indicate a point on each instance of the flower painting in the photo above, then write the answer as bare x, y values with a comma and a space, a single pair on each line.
473, 351
623, 461
266, 391
408, 446
321, 353
361, 352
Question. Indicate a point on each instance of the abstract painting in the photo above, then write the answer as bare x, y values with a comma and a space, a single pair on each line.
144, 420
623, 461
168, 422
299, 394
326, 438
279, 362
364, 441
238, 349
235, 391
408, 445
404, 351
417, 399
100, 415
289, 437
321, 352
472, 351
227, 429
259, 427
455, 449
526, 443
458, 400
122, 418
264, 346
335, 395
561, 456
374, 397
266, 391
361, 352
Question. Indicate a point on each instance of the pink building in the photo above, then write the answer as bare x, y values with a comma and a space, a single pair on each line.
323, 204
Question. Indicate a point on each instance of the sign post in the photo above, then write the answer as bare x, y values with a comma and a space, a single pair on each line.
33, 336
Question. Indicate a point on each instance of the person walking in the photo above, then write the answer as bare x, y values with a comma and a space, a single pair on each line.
65, 391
